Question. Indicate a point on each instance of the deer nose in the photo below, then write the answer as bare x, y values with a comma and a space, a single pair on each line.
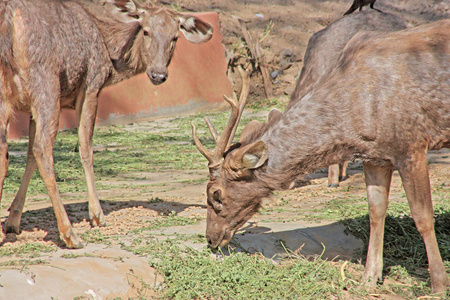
157, 78
208, 239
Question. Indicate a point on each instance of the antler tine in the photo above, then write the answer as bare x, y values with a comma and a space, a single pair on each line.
206, 153
222, 143
212, 129
245, 90
215, 156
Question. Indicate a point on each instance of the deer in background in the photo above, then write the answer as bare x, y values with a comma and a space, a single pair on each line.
322, 54
58, 54
387, 102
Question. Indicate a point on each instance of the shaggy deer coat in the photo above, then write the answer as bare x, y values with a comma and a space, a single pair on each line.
323, 52
58, 54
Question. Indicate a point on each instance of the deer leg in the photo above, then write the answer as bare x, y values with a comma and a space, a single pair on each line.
47, 120
86, 118
333, 176
378, 182
343, 171
16, 208
4, 156
416, 183
5, 114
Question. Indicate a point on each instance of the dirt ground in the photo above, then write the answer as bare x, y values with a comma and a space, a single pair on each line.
284, 27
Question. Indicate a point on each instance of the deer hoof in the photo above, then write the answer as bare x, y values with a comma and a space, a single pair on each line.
371, 281
98, 220
342, 178
12, 229
72, 240
333, 185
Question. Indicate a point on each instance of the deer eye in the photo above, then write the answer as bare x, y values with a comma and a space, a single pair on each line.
146, 32
217, 196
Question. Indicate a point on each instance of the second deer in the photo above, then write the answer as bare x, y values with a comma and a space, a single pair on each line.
322, 54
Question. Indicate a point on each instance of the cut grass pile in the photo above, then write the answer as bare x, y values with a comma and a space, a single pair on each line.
193, 274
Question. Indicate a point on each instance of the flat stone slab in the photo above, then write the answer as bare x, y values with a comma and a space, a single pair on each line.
104, 273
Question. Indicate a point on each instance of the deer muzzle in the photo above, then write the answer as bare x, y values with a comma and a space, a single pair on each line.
157, 77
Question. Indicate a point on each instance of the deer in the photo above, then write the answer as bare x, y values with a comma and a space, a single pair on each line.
58, 54
322, 53
387, 102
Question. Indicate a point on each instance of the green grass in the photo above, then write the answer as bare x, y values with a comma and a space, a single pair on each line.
22, 263
193, 274
163, 222
126, 153
28, 249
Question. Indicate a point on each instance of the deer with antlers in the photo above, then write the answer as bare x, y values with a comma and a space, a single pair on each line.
387, 102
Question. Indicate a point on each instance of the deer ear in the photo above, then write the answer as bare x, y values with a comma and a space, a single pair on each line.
249, 129
128, 8
195, 30
274, 116
253, 156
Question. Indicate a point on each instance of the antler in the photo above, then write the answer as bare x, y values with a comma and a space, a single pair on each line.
215, 156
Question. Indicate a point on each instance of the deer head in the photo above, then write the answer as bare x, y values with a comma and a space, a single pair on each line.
147, 39
233, 194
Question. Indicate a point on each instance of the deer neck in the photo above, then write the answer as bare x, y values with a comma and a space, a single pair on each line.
304, 140
122, 41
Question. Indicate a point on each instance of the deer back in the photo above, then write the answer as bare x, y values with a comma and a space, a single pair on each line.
325, 46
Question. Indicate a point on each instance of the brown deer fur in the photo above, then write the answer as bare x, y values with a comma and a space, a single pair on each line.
58, 54
387, 102
322, 54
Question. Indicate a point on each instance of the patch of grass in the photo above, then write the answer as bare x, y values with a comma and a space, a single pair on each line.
23, 262
267, 104
404, 250
161, 222
337, 208
28, 249
95, 236
125, 152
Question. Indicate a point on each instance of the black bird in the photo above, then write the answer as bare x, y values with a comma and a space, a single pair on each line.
359, 4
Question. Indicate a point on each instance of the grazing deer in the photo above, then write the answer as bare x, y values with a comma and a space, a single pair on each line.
359, 4
322, 54
58, 54
387, 102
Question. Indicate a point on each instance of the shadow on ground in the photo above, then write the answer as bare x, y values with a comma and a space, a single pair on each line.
44, 219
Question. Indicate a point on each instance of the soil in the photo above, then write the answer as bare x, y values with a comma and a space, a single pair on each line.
284, 27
